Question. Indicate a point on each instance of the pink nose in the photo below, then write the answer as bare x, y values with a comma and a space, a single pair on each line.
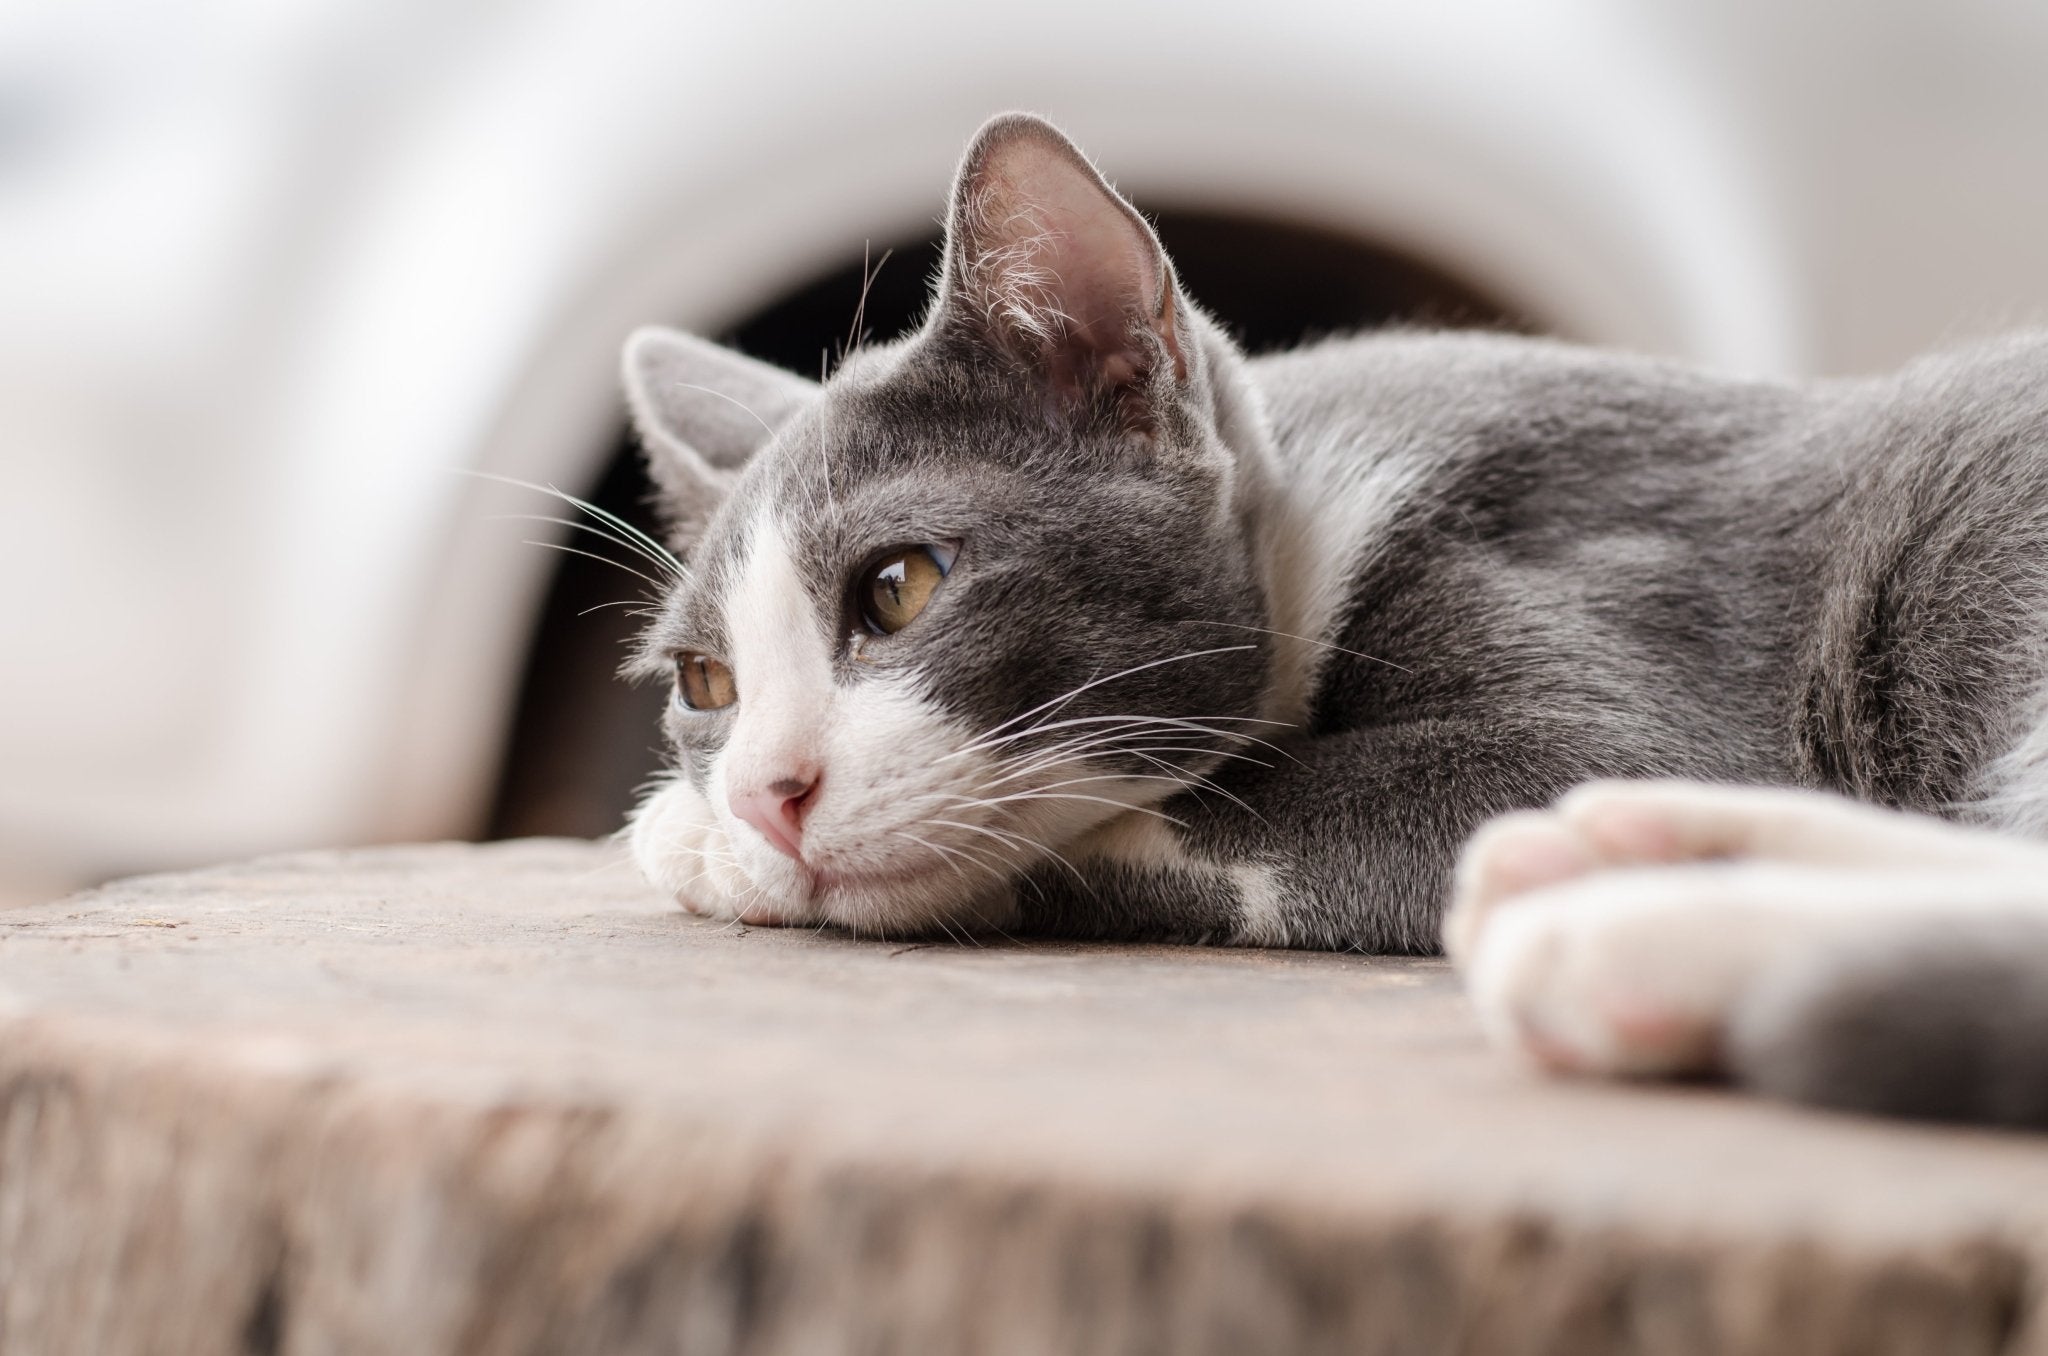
777, 813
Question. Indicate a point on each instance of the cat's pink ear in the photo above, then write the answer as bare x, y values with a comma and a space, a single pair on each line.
1044, 259
701, 411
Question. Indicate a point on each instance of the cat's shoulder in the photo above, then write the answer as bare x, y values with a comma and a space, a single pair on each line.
1488, 364
1481, 362
2003, 373
1442, 380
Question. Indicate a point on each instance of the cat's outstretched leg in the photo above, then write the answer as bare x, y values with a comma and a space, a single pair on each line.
1623, 931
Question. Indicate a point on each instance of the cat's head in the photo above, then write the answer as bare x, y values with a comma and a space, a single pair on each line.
981, 594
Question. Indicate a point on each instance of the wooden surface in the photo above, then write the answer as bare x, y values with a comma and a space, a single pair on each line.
500, 1100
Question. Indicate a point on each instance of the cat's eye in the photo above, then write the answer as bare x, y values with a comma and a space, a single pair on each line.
704, 683
892, 591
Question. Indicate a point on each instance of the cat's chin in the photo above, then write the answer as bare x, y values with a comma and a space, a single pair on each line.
903, 901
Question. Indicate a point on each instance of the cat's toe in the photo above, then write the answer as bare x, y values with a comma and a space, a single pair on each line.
691, 883
1509, 856
1669, 822
679, 846
1634, 823
1607, 826
1625, 973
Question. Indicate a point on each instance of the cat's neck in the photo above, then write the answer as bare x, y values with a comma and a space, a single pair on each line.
1281, 531
1310, 508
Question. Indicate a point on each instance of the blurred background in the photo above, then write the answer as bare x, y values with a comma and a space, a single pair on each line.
275, 273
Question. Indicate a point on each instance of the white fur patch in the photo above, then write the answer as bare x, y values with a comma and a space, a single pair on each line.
1638, 972
899, 793
1012, 282
1329, 508
679, 842
1612, 825
1151, 846
780, 662
1263, 903
1143, 843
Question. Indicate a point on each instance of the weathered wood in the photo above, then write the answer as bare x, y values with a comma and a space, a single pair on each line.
498, 1100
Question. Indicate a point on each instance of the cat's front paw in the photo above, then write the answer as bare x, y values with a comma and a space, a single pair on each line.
1647, 970
682, 849
1508, 857
1598, 827
1614, 932
1632, 972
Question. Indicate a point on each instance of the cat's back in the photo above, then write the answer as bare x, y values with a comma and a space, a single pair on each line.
1474, 395
1526, 437
1853, 562
1927, 662
1526, 530
1979, 408
1534, 449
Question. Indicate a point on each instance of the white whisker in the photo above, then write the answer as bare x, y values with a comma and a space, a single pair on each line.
652, 583
1008, 839
1306, 640
1069, 695
682, 571
661, 562
642, 608
744, 408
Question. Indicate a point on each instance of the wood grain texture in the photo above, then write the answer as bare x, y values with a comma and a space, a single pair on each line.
499, 1100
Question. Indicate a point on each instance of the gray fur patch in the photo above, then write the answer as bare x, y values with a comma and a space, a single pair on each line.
1939, 1023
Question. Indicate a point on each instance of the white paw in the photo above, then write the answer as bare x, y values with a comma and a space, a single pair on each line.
682, 848
1628, 972
1507, 857
1601, 826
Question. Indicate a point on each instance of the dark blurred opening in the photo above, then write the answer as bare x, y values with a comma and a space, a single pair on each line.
582, 741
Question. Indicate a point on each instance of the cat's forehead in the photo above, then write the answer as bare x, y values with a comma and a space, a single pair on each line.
900, 408
892, 439
907, 444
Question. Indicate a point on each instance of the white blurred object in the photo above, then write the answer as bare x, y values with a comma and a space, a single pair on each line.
270, 274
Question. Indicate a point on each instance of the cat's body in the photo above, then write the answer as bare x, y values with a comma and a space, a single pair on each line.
1063, 616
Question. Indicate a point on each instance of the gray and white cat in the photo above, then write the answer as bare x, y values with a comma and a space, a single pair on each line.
1063, 616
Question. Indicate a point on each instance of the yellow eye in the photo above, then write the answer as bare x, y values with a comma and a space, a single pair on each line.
896, 588
704, 683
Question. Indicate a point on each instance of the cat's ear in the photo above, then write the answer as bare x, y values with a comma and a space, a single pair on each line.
1046, 262
701, 411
